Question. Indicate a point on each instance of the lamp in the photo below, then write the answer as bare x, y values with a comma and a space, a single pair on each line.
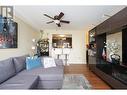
57, 21
33, 40
34, 45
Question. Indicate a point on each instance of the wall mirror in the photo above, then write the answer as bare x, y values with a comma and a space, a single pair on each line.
62, 40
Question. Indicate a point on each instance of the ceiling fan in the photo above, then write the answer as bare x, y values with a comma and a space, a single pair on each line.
57, 19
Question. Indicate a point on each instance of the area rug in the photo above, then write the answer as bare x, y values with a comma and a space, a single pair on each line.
75, 81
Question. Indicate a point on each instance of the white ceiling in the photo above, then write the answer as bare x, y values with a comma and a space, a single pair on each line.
80, 17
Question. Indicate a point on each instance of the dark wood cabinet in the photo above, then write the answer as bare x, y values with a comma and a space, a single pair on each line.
100, 39
115, 22
119, 20
92, 49
114, 83
124, 46
97, 64
103, 27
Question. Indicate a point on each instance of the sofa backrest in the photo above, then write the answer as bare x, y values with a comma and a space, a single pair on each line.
7, 69
20, 63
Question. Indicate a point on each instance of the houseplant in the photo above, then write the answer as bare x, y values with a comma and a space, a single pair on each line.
43, 45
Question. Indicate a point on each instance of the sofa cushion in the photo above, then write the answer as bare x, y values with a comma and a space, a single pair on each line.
19, 63
48, 62
21, 82
33, 62
7, 69
53, 73
50, 85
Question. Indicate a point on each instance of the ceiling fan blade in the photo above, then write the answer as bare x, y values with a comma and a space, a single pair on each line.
60, 15
59, 25
48, 16
64, 21
49, 22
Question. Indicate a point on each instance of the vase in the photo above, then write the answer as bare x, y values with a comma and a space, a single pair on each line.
115, 59
110, 59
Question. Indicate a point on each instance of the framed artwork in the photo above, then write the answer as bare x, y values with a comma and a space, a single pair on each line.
8, 33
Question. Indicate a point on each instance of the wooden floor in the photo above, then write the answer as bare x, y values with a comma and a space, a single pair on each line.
95, 81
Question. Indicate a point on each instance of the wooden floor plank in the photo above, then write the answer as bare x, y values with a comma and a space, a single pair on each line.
94, 80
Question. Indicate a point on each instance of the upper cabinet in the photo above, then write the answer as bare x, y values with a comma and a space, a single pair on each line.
118, 20
103, 27
115, 22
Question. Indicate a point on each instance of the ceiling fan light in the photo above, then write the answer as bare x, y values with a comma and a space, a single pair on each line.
57, 21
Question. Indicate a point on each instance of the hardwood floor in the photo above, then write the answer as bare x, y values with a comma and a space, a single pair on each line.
95, 81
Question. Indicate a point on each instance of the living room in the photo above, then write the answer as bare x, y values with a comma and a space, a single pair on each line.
65, 40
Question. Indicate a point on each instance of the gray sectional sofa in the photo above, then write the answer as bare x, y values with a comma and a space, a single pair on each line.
13, 75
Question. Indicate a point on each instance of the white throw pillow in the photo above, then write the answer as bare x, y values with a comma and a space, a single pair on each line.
49, 62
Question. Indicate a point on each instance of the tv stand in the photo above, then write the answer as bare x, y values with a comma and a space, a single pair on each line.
110, 80
113, 74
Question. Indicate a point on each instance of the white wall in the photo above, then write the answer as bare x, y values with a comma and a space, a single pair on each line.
25, 35
77, 54
116, 37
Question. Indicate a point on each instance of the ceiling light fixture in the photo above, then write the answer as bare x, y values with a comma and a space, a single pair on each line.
57, 21
105, 15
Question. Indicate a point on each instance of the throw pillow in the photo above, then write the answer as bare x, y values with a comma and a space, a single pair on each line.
48, 62
33, 62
